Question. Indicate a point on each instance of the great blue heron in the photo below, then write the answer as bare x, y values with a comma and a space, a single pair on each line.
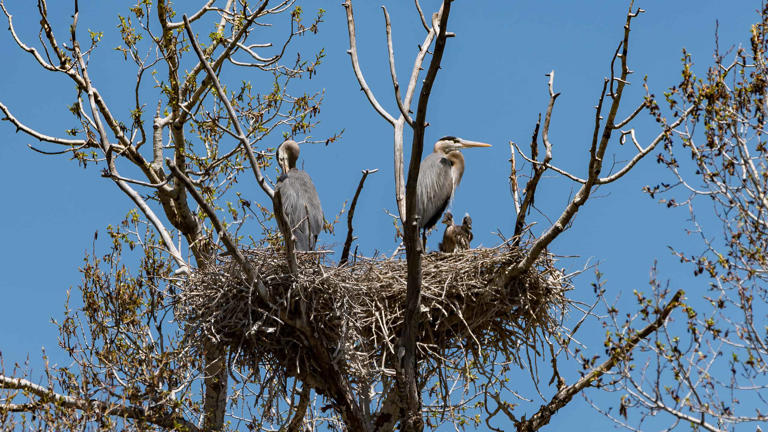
439, 176
298, 196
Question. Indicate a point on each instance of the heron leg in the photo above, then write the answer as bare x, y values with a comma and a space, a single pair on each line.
424, 240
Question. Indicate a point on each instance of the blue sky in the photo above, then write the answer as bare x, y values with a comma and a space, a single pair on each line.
491, 87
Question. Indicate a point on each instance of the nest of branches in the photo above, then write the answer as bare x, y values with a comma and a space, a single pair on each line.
348, 318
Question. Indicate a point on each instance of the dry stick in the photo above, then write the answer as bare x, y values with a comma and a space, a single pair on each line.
421, 16
548, 118
513, 178
530, 187
564, 395
352, 51
169, 420
350, 215
392, 72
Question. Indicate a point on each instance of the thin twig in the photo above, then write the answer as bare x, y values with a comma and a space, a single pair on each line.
350, 215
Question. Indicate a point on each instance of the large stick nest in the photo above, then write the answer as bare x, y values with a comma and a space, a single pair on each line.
356, 311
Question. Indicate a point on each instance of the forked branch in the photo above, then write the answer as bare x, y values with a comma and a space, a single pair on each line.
613, 87
352, 51
404, 105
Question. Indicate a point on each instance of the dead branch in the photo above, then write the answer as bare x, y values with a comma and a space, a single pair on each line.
407, 377
513, 179
350, 215
597, 150
403, 111
352, 51
218, 226
530, 186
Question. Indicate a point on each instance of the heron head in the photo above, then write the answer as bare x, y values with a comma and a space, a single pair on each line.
449, 144
287, 154
447, 218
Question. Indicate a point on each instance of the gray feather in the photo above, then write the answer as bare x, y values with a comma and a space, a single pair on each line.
434, 188
301, 206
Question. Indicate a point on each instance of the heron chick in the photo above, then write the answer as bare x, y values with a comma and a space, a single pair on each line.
450, 234
439, 176
297, 196
456, 237
465, 233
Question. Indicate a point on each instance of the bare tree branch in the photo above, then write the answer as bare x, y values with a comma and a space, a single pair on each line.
219, 227
301, 410
421, 16
597, 152
32, 51
407, 377
530, 187
197, 15
513, 179
352, 51
350, 215
392, 72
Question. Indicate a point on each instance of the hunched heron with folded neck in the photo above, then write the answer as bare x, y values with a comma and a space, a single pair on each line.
297, 196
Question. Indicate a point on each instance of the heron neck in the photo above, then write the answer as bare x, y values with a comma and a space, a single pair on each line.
287, 165
457, 166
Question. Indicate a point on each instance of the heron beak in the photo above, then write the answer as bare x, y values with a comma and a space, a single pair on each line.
466, 144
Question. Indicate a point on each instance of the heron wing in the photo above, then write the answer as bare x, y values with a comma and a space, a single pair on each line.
301, 206
434, 188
